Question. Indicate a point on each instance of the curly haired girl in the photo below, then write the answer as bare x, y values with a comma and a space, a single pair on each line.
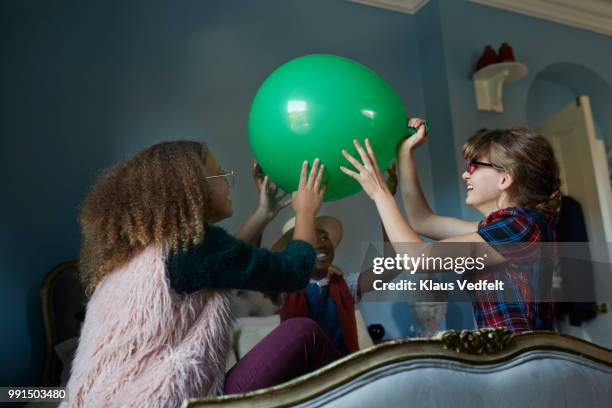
158, 324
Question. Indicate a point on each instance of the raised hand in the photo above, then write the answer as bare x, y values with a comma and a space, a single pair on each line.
368, 174
272, 199
307, 199
257, 174
416, 140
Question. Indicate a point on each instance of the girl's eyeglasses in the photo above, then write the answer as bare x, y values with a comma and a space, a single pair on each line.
471, 164
229, 175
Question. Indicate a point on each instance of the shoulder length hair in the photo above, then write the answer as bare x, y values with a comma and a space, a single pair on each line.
158, 196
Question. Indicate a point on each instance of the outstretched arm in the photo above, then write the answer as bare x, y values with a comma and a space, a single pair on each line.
271, 200
419, 213
371, 179
366, 278
225, 262
399, 231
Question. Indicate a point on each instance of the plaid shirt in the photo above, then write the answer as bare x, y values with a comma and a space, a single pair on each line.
522, 312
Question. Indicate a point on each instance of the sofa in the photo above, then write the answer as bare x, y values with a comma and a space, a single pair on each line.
480, 368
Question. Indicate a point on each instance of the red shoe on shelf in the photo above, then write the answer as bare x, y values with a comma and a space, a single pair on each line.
505, 53
488, 57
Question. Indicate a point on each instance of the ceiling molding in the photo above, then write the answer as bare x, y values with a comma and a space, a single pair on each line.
592, 15
403, 6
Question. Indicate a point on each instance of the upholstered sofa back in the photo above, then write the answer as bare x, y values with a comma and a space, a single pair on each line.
481, 368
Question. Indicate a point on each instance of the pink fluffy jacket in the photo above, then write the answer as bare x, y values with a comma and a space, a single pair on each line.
142, 344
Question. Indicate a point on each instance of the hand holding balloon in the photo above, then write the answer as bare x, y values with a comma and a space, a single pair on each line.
271, 198
420, 134
258, 175
307, 202
307, 199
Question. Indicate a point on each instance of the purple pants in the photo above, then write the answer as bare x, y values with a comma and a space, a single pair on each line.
297, 346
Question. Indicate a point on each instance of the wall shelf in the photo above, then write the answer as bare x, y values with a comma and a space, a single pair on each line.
489, 82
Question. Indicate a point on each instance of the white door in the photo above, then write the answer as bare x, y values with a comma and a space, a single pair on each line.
585, 177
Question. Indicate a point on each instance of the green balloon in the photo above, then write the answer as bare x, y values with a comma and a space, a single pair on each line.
313, 107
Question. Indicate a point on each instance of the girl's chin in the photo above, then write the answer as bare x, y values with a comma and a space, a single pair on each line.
221, 215
471, 199
470, 202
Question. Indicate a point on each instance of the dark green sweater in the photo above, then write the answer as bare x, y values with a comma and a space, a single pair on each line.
224, 262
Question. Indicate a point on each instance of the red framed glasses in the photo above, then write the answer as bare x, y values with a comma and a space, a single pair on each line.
471, 164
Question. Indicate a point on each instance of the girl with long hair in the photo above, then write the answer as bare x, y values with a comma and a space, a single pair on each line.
512, 179
158, 325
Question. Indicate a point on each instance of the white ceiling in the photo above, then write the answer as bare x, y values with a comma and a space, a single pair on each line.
403, 6
592, 15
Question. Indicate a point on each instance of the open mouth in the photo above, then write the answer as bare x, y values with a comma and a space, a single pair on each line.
470, 187
322, 256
